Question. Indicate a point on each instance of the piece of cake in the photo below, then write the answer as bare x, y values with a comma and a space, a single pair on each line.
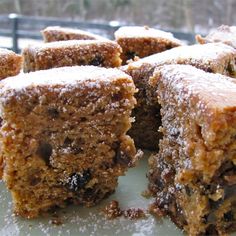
103, 53
57, 33
194, 174
215, 57
143, 41
63, 136
224, 34
10, 63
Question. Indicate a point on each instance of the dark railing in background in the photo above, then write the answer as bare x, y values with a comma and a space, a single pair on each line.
27, 27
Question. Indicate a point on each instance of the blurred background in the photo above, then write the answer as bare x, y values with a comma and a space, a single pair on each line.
186, 16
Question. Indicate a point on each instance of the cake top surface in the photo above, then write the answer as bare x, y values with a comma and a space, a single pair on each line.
4, 52
75, 76
71, 31
73, 43
144, 32
203, 53
214, 91
225, 34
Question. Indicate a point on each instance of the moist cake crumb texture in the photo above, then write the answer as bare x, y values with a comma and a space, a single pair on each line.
193, 175
63, 136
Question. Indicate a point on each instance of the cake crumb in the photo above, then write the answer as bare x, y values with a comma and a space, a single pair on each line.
112, 211
134, 214
155, 211
146, 194
56, 221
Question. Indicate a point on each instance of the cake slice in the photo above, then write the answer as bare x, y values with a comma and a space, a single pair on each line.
143, 41
224, 34
63, 136
57, 33
102, 53
214, 57
193, 177
10, 63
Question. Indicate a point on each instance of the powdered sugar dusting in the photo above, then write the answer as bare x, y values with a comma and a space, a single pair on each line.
144, 32
76, 76
214, 91
225, 34
202, 54
84, 44
64, 30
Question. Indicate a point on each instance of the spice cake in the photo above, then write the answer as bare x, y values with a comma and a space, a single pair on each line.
103, 53
225, 34
10, 63
63, 136
57, 33
194, 174
215, 57
143, 41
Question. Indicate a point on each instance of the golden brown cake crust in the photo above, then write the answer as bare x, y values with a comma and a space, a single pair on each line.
193, 175
57, 33
63, 136
103, 53
10, 63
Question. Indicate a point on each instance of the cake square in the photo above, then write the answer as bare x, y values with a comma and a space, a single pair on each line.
104, 53
224, 34
10, 63
212, 57
193, 175
57, 33
137, 41
63, 136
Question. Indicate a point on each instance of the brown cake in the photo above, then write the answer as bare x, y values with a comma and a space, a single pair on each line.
103, 53
143, 41
63, 136
194, 174
10, 63
57, 33
224, 34
215, 57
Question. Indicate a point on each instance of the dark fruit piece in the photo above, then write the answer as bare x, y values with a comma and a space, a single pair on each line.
53, 112
130, 55
77, 181
44, 151
97, 61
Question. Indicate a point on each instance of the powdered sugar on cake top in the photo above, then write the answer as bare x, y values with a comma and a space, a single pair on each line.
202, 53
214, 91
78, 76
72, 43
144, 32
